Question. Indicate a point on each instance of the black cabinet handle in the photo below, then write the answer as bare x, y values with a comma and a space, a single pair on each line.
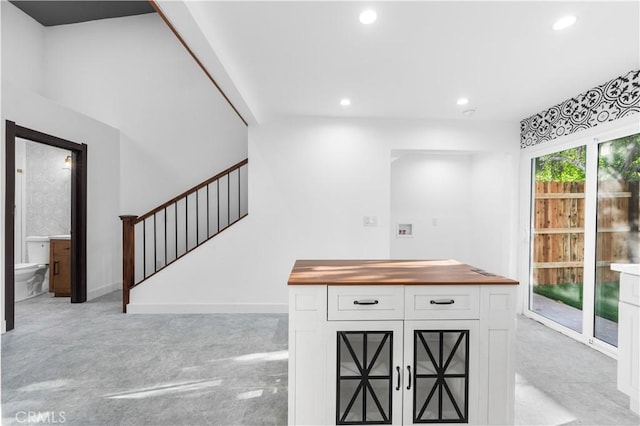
409, 369
365, 302
55, 268
398, 370
443, 302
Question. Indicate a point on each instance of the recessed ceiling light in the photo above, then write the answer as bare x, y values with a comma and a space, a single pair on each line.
564, 22
345, 102
368, 17
462, 101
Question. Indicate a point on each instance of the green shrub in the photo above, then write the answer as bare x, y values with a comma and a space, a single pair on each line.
571, 294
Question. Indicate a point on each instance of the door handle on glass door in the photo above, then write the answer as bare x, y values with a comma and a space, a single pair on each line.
409, 370
399, 374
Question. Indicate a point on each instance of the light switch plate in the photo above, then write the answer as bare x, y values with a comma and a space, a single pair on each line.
370, 220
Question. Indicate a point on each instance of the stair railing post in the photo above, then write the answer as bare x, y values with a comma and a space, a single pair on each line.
128, 257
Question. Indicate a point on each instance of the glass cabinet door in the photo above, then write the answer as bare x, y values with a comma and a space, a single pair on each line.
364, 383
367, 366
441, 376
438, 358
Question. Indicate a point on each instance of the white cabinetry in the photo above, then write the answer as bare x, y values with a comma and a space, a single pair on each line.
629, 333
396, 354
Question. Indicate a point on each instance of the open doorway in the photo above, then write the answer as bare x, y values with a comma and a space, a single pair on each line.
78, 199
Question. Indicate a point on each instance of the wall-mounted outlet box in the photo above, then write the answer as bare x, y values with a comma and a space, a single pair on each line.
404, 230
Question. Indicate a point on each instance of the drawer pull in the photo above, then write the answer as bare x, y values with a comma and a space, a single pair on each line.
365, 302
398, 370
443, 302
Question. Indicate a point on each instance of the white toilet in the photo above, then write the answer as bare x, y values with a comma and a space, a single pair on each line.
31, 279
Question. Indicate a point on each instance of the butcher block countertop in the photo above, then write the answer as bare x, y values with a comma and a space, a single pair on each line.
389, 272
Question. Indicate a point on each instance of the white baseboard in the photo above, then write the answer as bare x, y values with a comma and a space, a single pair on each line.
105, 289
208, 308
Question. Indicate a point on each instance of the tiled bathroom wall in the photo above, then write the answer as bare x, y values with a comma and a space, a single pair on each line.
47, 190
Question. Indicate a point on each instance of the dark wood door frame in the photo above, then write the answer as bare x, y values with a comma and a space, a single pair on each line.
78, 213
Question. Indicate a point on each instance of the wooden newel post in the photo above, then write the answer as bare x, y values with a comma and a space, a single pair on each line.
128, 257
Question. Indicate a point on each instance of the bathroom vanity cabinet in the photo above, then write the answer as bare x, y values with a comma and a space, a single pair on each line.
400, 342
60, 267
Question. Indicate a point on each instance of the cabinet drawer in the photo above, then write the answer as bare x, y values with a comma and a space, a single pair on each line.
378, 302
442, 302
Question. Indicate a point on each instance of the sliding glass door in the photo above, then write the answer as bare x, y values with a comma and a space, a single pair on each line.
617, 227
584, 217
557, 273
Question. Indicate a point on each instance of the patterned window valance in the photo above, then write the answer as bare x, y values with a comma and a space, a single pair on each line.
618, 98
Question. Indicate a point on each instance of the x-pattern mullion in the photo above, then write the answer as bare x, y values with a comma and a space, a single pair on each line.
364, 386
426, 348
453, 400
369, 368
375, 356
428, 399
453, 351
377, 401
350, 404
437, 374
440, 376
353, 354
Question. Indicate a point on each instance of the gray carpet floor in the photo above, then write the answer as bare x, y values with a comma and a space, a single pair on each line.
88, 364
561, 381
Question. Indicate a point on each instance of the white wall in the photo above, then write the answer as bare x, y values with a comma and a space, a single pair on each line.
22, 50
22, 73
494, 203
133, 74
103, 226
432, 192
310, 184
310, 181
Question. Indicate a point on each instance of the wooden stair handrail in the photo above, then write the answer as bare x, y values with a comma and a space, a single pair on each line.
192, 190
128, 233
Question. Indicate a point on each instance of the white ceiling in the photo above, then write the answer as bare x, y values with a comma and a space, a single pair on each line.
299, 58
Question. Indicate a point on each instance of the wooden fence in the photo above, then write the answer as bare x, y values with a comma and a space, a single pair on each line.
558, 229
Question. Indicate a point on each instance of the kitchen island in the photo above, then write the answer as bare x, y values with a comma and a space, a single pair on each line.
400, 342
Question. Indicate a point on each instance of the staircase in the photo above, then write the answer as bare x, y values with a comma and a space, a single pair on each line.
156, 239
